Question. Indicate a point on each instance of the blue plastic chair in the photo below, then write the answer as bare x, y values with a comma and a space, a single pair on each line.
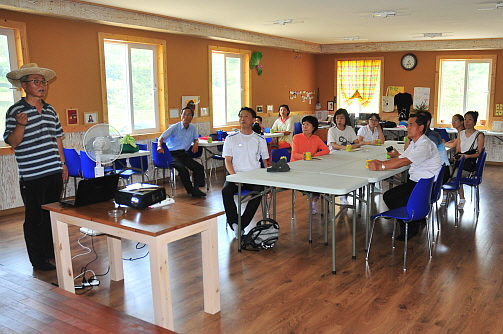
475, 180
276, 154
436, 193
86, 165
452, 187
443, 134
418, 207
163, 161
267, 130
297, 128
72, 160
216, 157
139, 163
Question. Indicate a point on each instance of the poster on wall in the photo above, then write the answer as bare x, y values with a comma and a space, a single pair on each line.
421, 97
192, 102
393, 90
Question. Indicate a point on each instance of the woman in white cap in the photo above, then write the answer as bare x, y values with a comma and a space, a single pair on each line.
33, 130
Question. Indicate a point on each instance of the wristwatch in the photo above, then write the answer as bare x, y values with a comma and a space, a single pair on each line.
382, 166
63, 163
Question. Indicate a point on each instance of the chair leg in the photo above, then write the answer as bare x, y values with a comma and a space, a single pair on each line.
370, 238
405, 246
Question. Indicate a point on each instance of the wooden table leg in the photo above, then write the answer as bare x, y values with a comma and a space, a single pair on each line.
211, 279
161, 292
62, 253
115, 257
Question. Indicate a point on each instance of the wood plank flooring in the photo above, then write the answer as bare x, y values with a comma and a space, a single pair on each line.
290, 288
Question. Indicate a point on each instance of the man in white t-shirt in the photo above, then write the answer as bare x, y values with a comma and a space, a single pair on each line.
424, 160
242, 152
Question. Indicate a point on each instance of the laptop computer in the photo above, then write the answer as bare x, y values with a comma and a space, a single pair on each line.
95, 190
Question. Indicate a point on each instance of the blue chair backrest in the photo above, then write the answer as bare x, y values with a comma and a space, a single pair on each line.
297, 128
481, 161
459, 172
136, 162
72, 162
419, 205
443, 133
437, 186
161, 160
267, 130
86, 165
278, 153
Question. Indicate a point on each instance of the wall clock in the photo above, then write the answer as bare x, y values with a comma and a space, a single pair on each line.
408, 62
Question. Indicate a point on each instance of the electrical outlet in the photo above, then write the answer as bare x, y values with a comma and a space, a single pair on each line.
94, 282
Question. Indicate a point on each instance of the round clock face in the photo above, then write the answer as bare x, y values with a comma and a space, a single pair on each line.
409, 61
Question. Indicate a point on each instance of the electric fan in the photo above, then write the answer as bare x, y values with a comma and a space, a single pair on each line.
102, 145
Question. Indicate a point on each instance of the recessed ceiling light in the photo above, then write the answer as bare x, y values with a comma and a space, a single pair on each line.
350, 38
384, 14
432, 34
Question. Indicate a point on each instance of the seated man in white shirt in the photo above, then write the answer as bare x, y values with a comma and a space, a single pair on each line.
424, 160
242, 152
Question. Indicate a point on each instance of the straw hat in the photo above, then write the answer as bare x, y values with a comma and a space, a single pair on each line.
31, 68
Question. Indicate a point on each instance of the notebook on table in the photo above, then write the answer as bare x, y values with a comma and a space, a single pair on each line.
95, 190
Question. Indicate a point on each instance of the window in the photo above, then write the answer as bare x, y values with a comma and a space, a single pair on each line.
465, 85
132, 85
230, 84
9, 60
359, 85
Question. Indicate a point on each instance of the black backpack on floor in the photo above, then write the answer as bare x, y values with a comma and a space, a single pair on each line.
262, 236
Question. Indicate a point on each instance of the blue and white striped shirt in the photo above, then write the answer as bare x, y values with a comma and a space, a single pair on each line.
37, 155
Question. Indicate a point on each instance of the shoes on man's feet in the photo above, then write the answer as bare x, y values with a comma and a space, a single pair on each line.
236, 230
197, 193
461, 204
344, 200
44, 266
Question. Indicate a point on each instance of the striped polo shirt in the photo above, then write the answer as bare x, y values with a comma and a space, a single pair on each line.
37, 155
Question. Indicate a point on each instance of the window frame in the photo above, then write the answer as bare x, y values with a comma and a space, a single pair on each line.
380, 84
21, 56
493, 61
161, 75
246, 54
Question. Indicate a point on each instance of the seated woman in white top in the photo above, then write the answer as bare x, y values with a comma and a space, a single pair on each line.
369, 134
458, 123
469, 138
284, 125
342, 134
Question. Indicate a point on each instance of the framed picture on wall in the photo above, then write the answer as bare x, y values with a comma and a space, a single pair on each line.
270, 108
259, 108
192, 102
330, 105
204, 111
90, 118
72, 117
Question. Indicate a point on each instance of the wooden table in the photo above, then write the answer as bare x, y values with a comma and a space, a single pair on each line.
156, 228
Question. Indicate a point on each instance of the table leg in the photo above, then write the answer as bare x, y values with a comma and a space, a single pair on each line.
239, 217
161, 292
354, 224
115, 257
367, 216
211, 281
62, 254
334, 270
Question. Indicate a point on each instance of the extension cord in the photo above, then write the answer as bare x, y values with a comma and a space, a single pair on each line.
88, 284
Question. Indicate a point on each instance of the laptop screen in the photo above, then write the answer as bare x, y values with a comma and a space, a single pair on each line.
95, 190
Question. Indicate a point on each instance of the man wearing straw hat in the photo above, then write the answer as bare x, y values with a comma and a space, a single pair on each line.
34, 132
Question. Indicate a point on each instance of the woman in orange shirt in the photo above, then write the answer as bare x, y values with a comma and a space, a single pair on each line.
308, 142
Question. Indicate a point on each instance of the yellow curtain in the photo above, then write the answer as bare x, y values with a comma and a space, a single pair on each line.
358, 79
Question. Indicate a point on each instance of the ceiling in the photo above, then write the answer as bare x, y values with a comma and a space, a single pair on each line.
330, 21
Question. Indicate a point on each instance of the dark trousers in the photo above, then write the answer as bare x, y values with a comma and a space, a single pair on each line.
399, 196
182, 161
231, 211
37, 222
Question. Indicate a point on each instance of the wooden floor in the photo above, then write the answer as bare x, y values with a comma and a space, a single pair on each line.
290, 288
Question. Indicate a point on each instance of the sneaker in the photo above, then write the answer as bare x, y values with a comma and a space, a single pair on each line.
235, 229
313, 208
344, 200
461, 204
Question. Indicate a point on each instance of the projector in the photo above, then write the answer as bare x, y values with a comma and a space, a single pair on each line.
140, 195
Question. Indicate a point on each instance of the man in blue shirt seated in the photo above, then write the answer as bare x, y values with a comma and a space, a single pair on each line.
179, 137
